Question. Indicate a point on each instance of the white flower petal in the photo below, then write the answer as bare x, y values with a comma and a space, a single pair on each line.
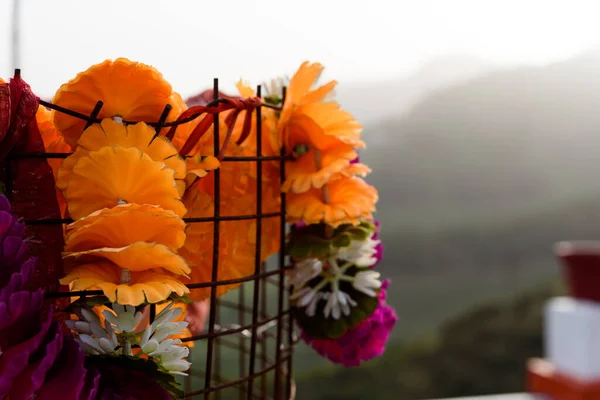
179, 365
150, 346
106, 345
89, 316
311, 310
91, 342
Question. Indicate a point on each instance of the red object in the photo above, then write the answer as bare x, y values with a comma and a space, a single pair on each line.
223, 104
30, 180
581, 261
542, 378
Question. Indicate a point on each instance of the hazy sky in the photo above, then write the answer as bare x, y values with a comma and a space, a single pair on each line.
193, 41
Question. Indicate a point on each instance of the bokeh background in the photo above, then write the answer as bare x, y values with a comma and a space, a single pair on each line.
482, 121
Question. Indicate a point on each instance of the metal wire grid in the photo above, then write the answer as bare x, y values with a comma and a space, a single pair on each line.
275, 373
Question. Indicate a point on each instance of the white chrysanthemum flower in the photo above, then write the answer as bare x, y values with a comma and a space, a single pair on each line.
337, 302
93, 338
123, 318
360, 252
367, 282
166, 352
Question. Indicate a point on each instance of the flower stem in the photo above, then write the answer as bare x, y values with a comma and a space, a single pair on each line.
126, 346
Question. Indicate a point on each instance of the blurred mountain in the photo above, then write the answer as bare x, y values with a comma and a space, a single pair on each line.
505, 142
370, 101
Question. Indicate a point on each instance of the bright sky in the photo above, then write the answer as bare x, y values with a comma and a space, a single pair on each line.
192, 41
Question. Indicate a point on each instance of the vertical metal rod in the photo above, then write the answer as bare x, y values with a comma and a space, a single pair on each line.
242, 340
281, 265
257, 256
152, 315
263, 344
215, 267
16, 35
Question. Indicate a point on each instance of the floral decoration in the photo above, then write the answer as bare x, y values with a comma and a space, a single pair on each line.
136, 182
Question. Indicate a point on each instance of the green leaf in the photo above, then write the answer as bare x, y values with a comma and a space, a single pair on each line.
148, 367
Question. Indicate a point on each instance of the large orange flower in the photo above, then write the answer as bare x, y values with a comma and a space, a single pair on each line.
139, 136
144, 286
130, 90
344, 201
319, 134
116, 175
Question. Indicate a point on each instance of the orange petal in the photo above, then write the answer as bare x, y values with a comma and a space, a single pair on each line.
146, 286
123, 225
131, 90
349, 200
315, 168
111, 133
111, 175
138, 256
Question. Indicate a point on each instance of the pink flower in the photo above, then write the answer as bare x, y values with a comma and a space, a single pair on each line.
365, 341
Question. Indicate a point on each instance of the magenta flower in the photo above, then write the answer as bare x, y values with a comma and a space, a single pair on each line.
365, 341
36, 358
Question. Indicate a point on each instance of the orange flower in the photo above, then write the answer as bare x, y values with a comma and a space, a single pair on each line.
320, 134
321, 126
299, 91
344, 201
144, 286
130, 90
115, 175
139, 136
315, 168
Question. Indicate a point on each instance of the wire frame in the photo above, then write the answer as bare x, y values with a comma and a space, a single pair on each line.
246, 350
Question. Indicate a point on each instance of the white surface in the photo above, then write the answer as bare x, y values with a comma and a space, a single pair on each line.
571, 332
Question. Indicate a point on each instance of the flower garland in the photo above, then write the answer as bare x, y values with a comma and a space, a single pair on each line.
128, 188
338, 297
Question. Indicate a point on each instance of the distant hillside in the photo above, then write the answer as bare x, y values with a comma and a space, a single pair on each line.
505, 142
481, 351
371, 101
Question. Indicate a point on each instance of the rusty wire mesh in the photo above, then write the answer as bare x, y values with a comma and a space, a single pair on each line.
246, 349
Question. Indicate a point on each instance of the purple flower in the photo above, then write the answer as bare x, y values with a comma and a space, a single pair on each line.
355, 161
36, 358
365, 341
